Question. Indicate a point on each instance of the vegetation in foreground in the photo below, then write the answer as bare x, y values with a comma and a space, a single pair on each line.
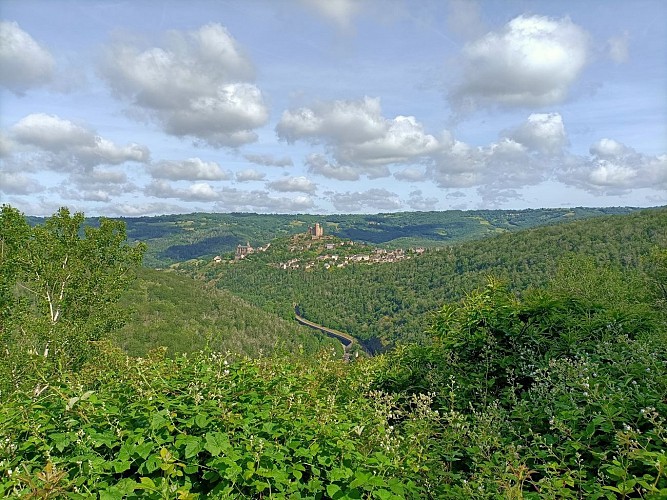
557, 393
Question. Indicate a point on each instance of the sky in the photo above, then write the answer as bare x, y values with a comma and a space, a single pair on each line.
133, 108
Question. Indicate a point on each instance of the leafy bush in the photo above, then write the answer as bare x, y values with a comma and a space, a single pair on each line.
202, 426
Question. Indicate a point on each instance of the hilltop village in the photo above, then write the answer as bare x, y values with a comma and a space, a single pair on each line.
314, 249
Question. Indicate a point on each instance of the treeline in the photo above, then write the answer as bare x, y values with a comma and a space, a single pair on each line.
174, 238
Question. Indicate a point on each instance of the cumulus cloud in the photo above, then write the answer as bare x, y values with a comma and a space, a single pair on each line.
269, 161
18, 183
250, 174
234, 200
198, 85
532, 61
69, 146
319, 165
192, 169
357, 136
24, 62
293, 184
5, 146
375, 199
614, 168
500, 166
199, 191
410, 174
543, 132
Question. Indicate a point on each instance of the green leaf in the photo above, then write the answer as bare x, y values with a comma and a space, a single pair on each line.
216, 442
192, 446
146, 483
121, 466
201, 420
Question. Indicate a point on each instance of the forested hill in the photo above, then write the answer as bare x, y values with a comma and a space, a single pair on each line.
174, 238
185, 316
393, 301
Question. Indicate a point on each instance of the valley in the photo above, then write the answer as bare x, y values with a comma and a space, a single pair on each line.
528, 364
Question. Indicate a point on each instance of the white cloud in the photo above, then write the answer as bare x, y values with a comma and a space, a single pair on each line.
18, 183
70, 146
291, 184
24, 62
234, 200
542, 132
199, 191
533, 61
250, 174
339, 122
357, 136
498, 167
610, 149
402, 140
198, 85
269, 161
410, 174
6, 146
192, 169
614, 168
318, 164
376, 199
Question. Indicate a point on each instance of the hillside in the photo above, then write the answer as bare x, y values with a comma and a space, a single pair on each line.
550, 385
174, 238
185, 316
391, 301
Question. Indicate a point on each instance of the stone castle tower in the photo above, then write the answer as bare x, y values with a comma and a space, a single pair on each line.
316, 231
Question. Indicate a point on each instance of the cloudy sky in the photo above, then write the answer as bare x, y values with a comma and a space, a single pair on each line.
331, 106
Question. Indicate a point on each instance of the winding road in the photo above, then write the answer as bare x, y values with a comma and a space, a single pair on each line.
345, 339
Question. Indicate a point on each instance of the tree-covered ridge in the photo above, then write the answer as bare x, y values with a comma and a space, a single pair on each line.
174, 238
392, 301
185, 316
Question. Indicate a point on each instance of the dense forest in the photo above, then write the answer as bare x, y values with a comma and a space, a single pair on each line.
531, 364
383, 303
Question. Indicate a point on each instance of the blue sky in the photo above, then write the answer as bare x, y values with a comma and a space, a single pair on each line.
331, 106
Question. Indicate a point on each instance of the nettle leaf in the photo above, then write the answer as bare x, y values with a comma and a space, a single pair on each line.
193, 445
216, 442
121, 466
201, 420
143, 450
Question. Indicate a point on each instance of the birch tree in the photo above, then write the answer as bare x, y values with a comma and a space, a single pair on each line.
61, 280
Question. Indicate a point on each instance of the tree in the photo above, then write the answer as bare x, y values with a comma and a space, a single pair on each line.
61, 281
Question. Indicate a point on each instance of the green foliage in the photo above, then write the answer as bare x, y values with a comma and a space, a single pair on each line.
60, 284
177, 238
203, 426
552, 395
391, 302
186, 315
